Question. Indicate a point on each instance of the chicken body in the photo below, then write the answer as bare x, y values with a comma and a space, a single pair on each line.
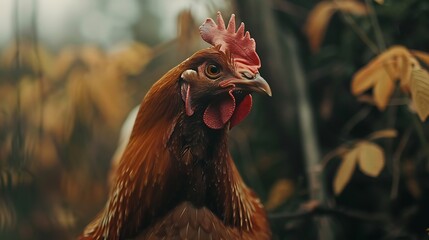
176, 178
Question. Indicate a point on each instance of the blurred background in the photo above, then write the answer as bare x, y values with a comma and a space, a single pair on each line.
330, 157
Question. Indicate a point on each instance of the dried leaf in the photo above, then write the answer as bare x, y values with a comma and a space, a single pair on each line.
318, 18
393, 67
422, 56
279, 193
379, 79
420, 92
370, 158
410, 64
362, 81
381, 2
345, 171
387, 133
383, 89
396, 63
405, 70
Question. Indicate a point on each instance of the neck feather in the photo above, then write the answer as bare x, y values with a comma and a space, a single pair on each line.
173, 158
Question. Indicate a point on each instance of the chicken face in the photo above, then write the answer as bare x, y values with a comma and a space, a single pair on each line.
223, 91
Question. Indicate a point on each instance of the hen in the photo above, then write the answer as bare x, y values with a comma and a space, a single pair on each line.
176, 178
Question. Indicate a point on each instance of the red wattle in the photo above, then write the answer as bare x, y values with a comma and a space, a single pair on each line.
242, 110
219, 112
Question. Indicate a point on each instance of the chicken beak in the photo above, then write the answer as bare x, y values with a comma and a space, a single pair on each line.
255, 84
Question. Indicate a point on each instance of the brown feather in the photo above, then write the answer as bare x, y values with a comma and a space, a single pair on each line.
176, 178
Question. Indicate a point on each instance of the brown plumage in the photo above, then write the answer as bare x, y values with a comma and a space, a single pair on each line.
176, 178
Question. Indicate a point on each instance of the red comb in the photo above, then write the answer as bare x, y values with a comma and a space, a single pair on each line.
239, 44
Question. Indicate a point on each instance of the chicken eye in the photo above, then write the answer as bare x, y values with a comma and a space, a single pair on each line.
212, 71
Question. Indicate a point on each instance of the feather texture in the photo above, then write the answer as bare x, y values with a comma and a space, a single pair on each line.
176, 178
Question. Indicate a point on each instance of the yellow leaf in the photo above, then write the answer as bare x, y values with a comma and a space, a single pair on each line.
318, 18
370, 158
420, 92
393, 67
387, 133
279, 193
396, 63
391, 60
392, 53
409, 64
422, 56
362, 81
345, 171
381, 2
383, 89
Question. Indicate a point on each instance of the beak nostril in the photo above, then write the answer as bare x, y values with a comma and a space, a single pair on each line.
250, 83
248, 75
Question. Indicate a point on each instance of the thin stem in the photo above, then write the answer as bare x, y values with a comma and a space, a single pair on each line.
391, 115
359, 116
420, 132
396, 170
332, 154
290, 8
377, 29
361, 34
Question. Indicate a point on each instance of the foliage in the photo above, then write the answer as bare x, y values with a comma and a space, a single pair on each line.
60, 108
394, 79
366, 66
368, 155
318, 18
